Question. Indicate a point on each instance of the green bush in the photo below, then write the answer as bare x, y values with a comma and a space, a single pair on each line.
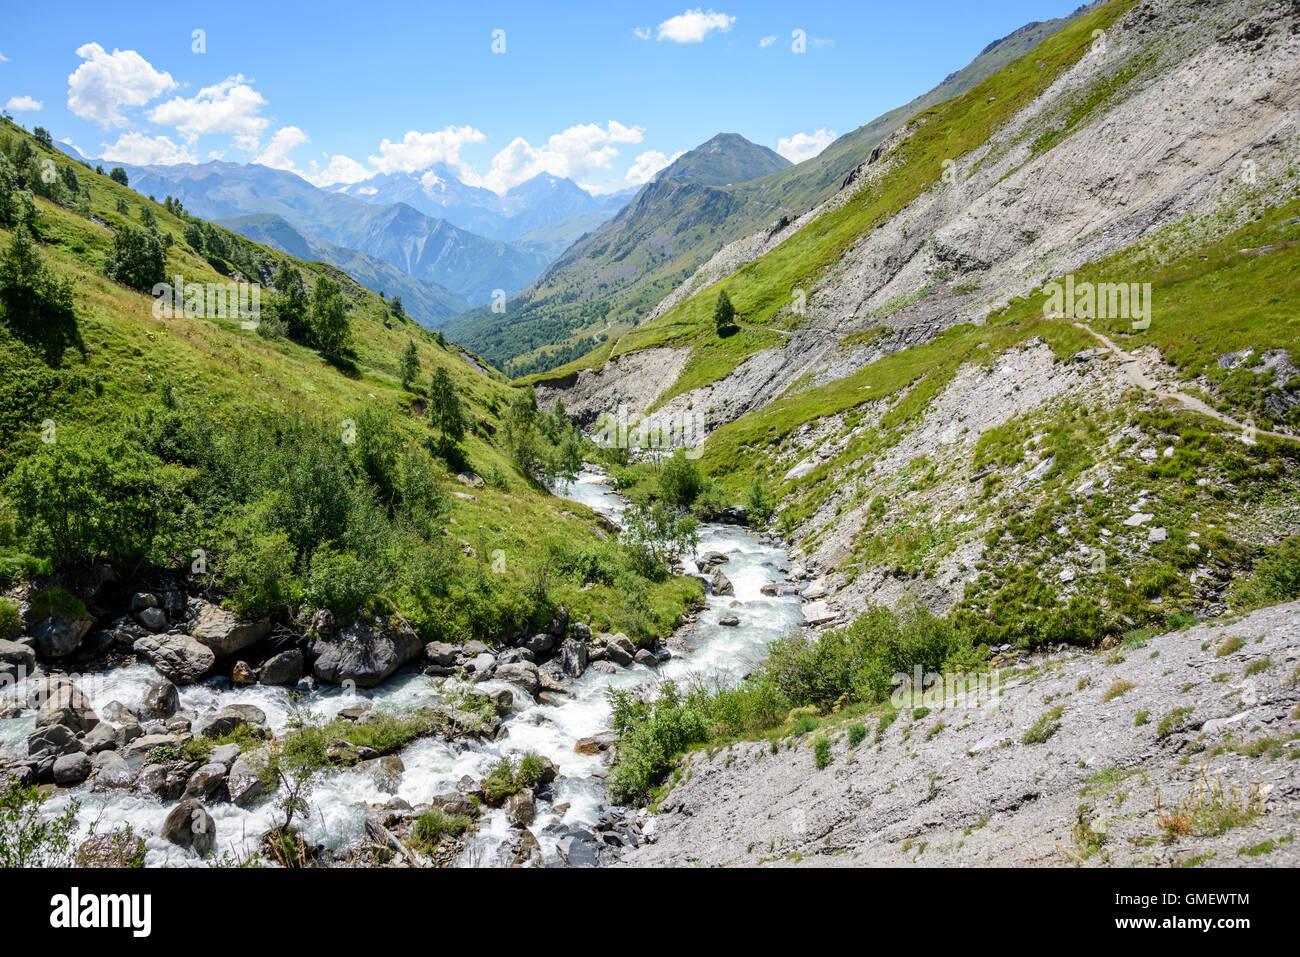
1275, 579
137, 258
431, 826
821, 753
11, 623
651, 736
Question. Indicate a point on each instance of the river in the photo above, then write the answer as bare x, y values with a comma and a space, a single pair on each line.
434, 766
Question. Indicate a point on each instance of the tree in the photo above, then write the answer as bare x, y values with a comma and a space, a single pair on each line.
723, 311
193, 237
758, 505
28, 288
137, 259
42, 136
655, 536
29, 838
410, 364
118, 175
10, 207
446, 413
147, 217
679, 480
396, 306
291, 305
329, 317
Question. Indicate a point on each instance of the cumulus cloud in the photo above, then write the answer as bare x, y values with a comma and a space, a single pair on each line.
137, 149
694, 25
276, 154
802, 146
417, 151
3, 58
641, 33
231, 106
338, 170
573, 153
21, 104
106, 82
766, 42
645, 166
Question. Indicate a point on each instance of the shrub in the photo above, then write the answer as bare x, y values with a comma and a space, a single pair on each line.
137, 258
341, 582
857, 734
431, 826
651, 736
821, 753
10, 621
29, 838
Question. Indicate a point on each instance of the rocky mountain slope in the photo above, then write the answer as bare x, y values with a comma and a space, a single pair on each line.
1180, 750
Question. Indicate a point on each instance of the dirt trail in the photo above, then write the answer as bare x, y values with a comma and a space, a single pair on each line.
1132, 369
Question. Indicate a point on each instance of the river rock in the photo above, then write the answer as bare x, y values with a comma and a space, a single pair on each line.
205, 783
177, 657
189, 825
225, 755
728, 620
161, 701
66, 705
242, 675
225, 634
441, 653
386, 772
118, 713
455, 804
102, 737
53, 740
16, 660
71, 769
245, 782
111, 771
56, 636
573, 658
818, 613
520, 808
366, 655
164, 781
155, 619
620, 650
720, 584
646, 657
231, 717
596, 743
711, 560
521, 674
285, 669
539, 644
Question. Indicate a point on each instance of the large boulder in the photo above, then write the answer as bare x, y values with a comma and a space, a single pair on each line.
231, 717
66, 705
720, 584
286, 668
71, 769
225, 634
16, 661
189, 825
366, 655
521, 674
161, 701
620, 650
111, 771
57, 636
177, 657
573, 658
441, 653
520, 808
205, 783
53, 740
247, 781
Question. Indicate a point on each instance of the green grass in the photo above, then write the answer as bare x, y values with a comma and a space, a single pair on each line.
1047, 725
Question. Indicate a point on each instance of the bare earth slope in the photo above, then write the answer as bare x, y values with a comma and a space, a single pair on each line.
960, 787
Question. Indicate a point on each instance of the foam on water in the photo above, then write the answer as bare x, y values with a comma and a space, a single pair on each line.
434, 766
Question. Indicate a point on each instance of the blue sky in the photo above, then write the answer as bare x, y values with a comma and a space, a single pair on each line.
605, 93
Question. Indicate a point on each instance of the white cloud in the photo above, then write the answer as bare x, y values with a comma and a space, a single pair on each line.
339, 170
137, 149
802, 146
106, 82
20, 104
647, 164
418, 151
3, 58
231, 106
642, 33
766, 42
694, 25
276, 154
575, 152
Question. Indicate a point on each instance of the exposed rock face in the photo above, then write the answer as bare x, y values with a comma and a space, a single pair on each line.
225, 634
177, 657
366, 655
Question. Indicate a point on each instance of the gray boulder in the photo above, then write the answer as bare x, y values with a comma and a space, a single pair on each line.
189, 825
231, 717
225, 634
16, 660
71, 769
66, 705
177, 657
539, 644
206, 782
111, 771
155, 619
573, 658
521, 674
720, 584
441, 653
53, 740
285, 669
620, 650
366, 655
161, 701
56, 637
102, 737
246, 783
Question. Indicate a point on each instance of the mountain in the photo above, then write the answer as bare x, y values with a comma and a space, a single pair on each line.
469, 265
534, 204
619, 271
718, 193
725, 160
427, 303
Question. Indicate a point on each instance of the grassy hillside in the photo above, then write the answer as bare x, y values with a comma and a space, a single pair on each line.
311, 480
